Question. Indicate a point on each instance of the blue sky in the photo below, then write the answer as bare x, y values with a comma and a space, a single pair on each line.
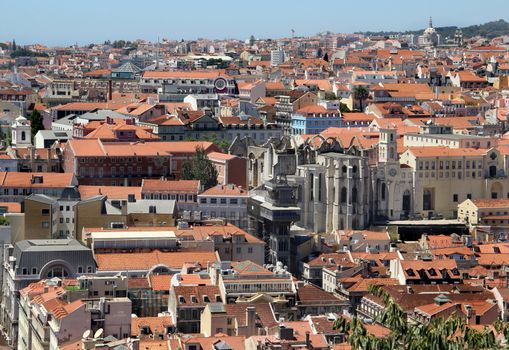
56, 22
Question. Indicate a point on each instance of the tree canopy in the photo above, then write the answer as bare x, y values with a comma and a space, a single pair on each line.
200, 168
36, 122
440, 334
360, 93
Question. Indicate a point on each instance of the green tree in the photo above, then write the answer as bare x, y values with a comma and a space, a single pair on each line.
36, 122
222, 144
439, 334
200, 168
360, 93
343, 108
329, 95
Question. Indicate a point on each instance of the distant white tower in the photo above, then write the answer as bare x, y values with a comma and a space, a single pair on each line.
21, 133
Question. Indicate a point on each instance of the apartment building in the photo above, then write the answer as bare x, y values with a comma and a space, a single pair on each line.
186, 304
175, 86
15, 186
228, 202
315, 119
231, 169
29, 261
183, 192
94, 162
99, 211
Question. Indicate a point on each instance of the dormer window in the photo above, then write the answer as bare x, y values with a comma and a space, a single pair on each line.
206, 299
181, 299
194, 300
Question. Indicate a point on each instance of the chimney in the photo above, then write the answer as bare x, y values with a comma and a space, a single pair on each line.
308, 342
251, 320
110, 90
216, 280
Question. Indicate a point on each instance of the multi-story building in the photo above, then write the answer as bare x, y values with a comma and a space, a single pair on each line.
312, 120
95, 162
16, 186
230, 168
426, 272
277, 57
32, 159
363, 241
29, 261
244, 280
54, 312
228, 202
312, 270
243, 319
175, 86
99, 211
443, 177
186, 303
488, 219
183, 192
46, 217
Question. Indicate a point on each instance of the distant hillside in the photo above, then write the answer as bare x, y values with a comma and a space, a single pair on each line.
488, 30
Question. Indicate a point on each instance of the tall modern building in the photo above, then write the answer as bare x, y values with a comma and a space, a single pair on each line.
277, 57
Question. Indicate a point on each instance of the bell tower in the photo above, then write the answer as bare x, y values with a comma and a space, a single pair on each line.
21, 133
387, 145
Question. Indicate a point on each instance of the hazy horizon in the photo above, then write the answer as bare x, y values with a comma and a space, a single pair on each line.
61, 24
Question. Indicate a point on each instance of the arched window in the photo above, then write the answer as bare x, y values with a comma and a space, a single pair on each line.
354, 169
23, 136
354, 195
343, 195
383, 192
344, 169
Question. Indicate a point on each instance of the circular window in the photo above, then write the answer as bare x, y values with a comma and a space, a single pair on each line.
220, 84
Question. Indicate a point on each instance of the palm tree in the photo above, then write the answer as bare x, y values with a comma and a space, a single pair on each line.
360, 93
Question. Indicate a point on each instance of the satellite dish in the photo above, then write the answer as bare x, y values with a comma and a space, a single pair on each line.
98, 334
86, 334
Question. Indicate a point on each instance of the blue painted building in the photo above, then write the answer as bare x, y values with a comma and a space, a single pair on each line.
315, 119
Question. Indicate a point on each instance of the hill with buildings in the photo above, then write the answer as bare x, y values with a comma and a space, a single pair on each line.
488, 30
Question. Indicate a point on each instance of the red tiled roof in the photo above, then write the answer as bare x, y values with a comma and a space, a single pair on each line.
184, 186
145, 261
26, 180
